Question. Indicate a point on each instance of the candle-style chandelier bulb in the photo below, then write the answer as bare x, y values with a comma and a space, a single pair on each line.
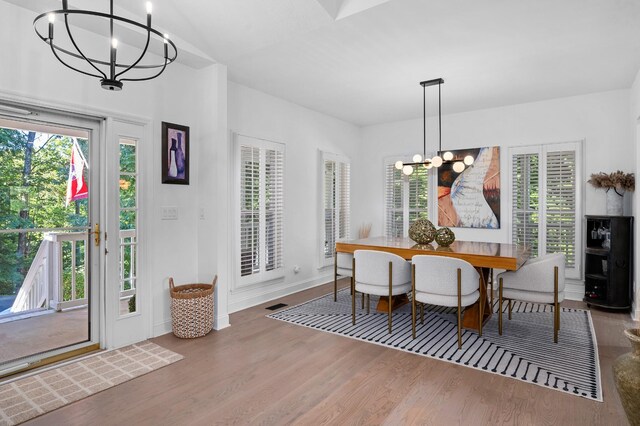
436, 161
399, 165
447, 156
407, 170
417, 158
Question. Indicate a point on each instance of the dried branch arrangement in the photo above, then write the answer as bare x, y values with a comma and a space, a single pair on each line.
364, 230
618, 181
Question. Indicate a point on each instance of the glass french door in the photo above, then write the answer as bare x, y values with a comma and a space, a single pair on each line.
49, 254
128, 313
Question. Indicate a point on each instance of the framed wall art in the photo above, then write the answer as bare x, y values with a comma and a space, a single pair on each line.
175, 154
471, 199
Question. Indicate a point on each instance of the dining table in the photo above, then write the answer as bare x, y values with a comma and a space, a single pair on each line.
484, 256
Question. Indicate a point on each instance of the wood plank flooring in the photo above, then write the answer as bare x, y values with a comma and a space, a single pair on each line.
263, 371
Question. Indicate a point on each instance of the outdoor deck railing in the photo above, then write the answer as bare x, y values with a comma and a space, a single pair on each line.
44, 284
55, 281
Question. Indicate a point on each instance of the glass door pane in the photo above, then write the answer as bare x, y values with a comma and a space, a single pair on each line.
46, 192
128, 238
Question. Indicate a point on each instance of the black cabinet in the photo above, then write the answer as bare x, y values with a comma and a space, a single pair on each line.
609, 262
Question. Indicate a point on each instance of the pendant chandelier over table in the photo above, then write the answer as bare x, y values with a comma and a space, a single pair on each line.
104, 64
421, 160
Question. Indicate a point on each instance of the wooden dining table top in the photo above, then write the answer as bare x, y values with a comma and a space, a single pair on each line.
479, 254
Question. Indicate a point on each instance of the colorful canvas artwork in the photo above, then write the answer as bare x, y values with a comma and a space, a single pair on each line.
471, 199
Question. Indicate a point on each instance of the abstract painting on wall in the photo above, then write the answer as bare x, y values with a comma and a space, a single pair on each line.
175, 154
471, 199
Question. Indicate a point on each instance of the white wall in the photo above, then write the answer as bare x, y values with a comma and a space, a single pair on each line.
213, 187
304, 132
600, 119
28, 70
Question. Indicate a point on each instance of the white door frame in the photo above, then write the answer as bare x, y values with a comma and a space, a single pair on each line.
95, 127
102, 324
137, 326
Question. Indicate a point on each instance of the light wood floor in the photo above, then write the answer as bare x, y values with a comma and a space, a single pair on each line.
29, 336
263, 371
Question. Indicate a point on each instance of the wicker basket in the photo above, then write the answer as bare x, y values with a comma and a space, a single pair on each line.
191, 309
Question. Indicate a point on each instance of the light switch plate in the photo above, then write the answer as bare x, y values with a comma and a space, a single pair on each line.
169, 213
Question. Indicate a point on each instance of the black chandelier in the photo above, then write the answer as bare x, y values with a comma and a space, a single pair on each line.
458, 165
109, 71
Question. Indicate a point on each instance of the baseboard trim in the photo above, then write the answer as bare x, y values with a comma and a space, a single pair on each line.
248, 299
574, 289
221, 322
162, 328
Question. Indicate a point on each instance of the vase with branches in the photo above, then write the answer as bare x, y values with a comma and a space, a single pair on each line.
617, 181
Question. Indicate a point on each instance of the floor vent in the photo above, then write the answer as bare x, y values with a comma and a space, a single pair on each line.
278, 306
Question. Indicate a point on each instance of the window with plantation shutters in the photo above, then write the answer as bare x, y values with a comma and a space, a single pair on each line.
525, 200
545, 201
336, 208
560, 206
394, 205
261, 188
406, 199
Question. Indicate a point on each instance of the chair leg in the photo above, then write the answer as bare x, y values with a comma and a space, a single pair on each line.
556, 306
481, 313
491, 285
362, 300
335, 276
509, 301
390, 291
500, 307
368, 303
353, 292
413, 301
422, 313
459, 309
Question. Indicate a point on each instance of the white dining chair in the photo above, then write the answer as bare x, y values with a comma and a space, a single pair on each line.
539, 280
381, 274
444, 281
342, 266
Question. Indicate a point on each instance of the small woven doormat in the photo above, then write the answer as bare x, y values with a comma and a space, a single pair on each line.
524, 352
41, 393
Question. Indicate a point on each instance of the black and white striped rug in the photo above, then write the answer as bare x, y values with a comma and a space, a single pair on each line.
525, 351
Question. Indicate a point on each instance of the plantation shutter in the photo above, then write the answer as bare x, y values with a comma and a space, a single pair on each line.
560, 204
418, 194
329, 208
336, 199
546, 204
249, 210
344, 201
393, 202
525, 200
406, 199
274, 208
261, 209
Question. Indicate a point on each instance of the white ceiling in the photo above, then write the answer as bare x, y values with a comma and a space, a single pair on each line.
361, 60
